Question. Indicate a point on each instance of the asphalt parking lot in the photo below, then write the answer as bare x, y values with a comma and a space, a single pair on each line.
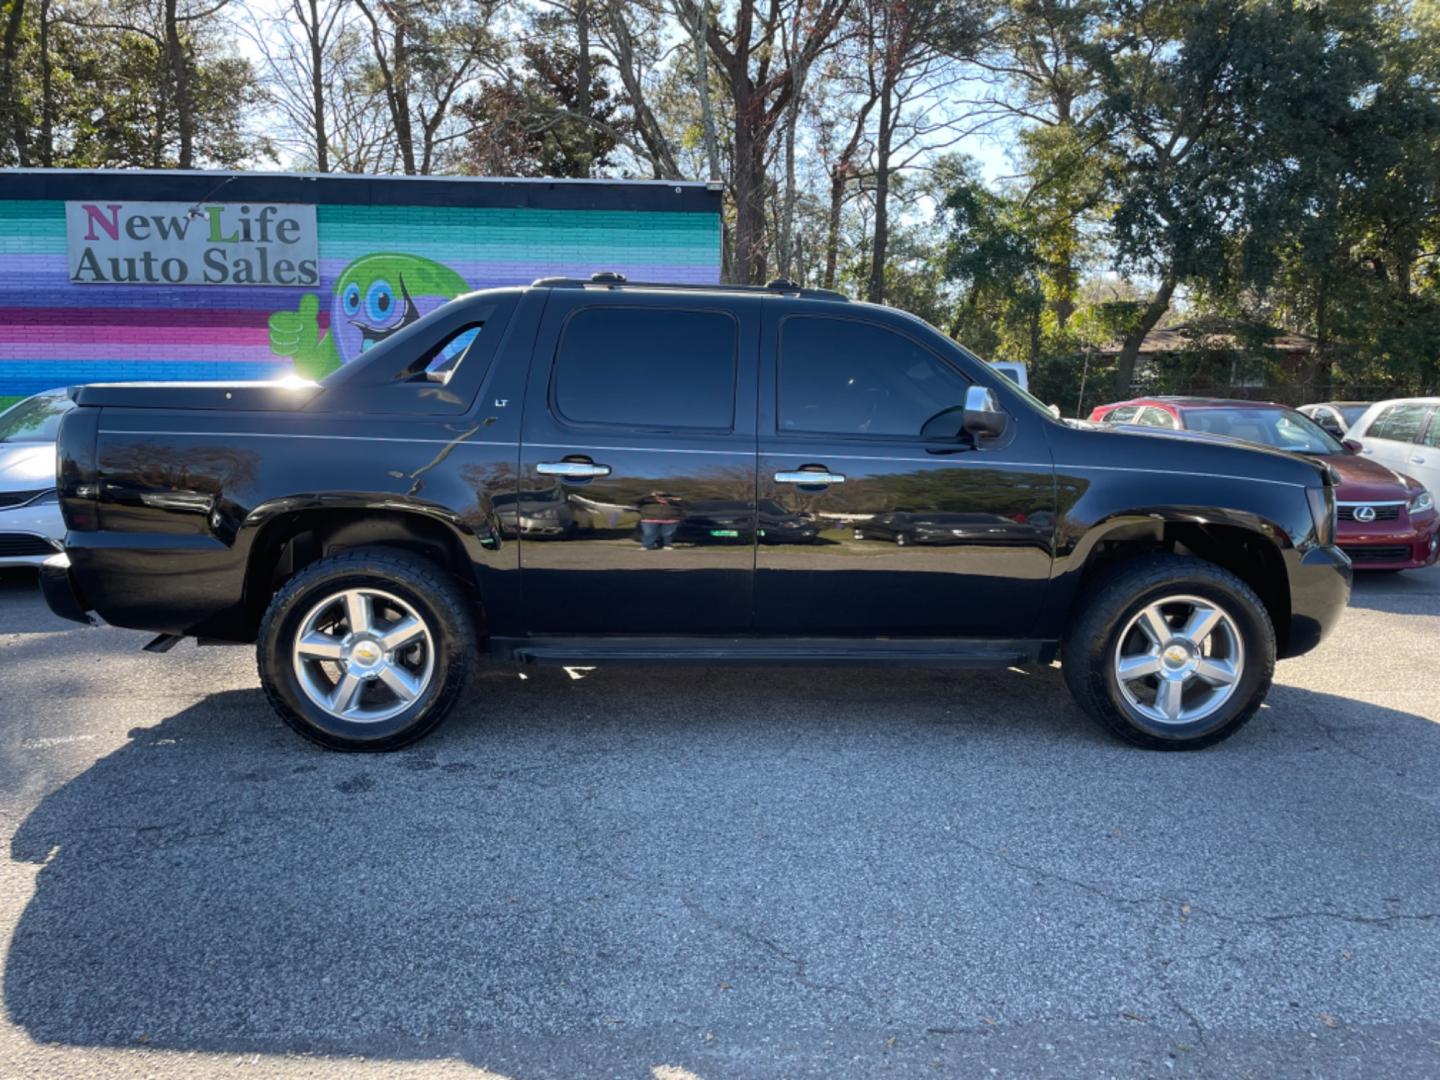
680, 873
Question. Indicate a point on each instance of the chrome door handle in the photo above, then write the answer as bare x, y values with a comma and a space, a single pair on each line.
1417, 460
801, 476
572, 470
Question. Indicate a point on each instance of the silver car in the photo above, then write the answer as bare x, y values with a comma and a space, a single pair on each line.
31, 529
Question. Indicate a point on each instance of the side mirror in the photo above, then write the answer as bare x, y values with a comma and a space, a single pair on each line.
1054, 411
1352, 445
984, 419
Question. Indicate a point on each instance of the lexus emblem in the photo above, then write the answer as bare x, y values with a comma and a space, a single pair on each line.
1365, 513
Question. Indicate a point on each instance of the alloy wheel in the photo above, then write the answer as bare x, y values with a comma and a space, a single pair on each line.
363, 655
1179, 659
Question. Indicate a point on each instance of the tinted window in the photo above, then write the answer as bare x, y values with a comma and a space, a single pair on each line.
850, 378
1402, 423
647, 367
1122, 414
35, 420
1351, 413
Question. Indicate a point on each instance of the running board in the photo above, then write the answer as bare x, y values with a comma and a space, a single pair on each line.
950, 652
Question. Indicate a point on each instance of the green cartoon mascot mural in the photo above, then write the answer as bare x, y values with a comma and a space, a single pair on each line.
375, 296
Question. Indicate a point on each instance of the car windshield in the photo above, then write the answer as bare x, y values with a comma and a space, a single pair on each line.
1351, 413
36, 419
1284, 429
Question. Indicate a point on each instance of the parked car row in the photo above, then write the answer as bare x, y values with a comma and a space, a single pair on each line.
1385, 503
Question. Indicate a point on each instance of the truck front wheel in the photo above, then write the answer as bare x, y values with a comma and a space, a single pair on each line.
1169, 652
366, 650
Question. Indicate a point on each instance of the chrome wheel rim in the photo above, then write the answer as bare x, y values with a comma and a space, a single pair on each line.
1179, 659
363, 655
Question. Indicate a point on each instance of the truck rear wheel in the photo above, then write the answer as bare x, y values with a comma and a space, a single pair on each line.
366, 650
1169, 652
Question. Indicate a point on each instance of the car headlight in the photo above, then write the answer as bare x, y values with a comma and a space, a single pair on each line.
1422, 502
1322, 510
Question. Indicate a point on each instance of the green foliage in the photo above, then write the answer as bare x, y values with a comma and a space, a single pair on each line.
111, 101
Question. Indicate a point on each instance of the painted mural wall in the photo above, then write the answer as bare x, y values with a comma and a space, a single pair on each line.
379, 267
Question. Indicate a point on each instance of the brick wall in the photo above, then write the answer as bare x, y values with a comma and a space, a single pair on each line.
54, 332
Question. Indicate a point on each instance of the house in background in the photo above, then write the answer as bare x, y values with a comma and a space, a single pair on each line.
1217, 356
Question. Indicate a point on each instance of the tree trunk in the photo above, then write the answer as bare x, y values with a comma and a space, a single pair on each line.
583, 77
47, 90
9, 90
702, 87
838, 180
1064, 303
875, 292
749, 189
317, 90
787, 206
400, 98
179, 63
1130, 344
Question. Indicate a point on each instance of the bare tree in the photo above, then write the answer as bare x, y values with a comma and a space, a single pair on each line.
425, 52
761, 85
307, 51
911, 47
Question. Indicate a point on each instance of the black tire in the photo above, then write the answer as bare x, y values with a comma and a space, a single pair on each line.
433, 594
1106, 608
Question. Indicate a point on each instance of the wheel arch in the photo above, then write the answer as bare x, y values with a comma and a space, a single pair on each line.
291, 534
1247, 544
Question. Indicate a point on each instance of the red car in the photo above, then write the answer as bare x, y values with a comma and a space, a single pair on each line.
1386, 520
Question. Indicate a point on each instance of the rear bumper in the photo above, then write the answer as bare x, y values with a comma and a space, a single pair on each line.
1319, 592
60, 592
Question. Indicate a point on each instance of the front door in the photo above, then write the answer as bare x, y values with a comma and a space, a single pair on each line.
915, 530
636, 506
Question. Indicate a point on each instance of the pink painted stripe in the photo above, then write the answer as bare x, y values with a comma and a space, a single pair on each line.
137, 316
139, 350
255, 333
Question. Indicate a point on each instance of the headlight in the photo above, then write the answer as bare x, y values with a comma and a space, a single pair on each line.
1322, 510
1422, 502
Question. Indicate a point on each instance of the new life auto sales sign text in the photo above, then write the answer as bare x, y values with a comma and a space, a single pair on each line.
164, 243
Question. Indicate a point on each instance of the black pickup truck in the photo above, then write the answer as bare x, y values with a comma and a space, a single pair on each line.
590, 472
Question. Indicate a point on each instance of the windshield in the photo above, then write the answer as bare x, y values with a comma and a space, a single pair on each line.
1351, 413
36, 419
1284, 429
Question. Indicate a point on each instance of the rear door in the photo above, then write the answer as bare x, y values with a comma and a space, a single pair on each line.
640, 406
859, 434
1393, 437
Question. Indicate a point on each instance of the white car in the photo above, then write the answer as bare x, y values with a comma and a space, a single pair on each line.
1013, 370
1403, 434
31, 529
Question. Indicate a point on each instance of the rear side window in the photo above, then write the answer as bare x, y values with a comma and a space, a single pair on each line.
647, 367
1432, 437
1153, 417
1400, 423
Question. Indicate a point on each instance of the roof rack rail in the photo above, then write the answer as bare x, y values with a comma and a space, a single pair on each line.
609, 279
